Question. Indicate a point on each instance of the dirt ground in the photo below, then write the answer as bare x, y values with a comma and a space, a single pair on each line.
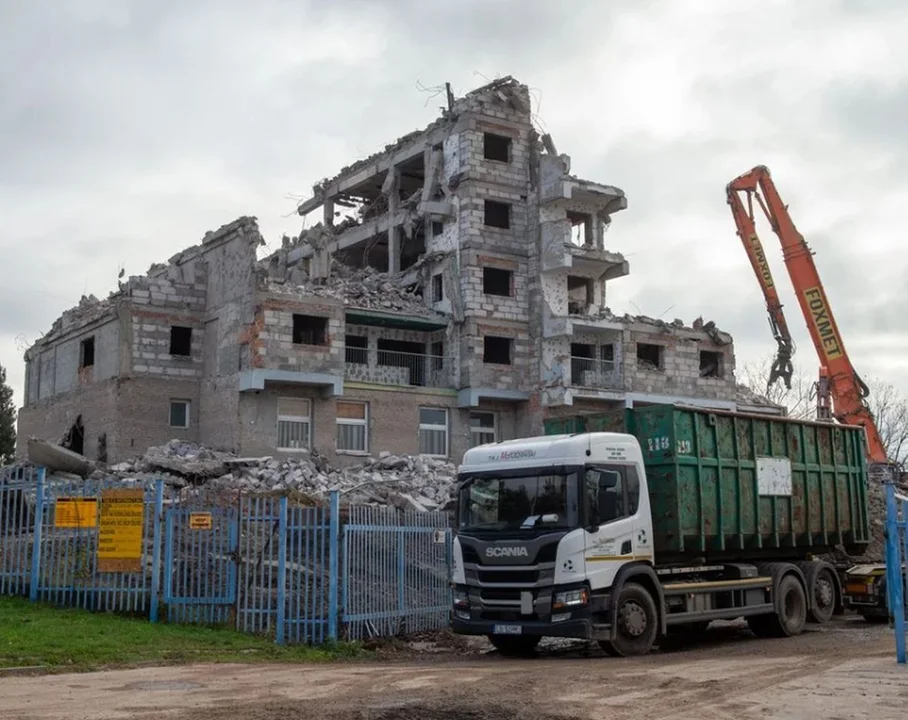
842, 671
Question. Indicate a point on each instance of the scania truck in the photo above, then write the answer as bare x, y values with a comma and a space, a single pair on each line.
681, 517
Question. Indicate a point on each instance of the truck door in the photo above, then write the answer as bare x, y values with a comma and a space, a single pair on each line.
613, 530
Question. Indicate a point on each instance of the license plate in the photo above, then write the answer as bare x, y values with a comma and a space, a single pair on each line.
507, 630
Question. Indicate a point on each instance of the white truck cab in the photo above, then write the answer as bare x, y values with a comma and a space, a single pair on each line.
544, 527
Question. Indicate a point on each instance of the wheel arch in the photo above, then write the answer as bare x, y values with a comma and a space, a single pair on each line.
779, 570
644, 575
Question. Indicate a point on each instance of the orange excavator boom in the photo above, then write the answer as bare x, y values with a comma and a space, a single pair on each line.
846, 391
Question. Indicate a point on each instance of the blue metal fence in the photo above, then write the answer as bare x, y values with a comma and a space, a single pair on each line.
261, 564
897, 564
396, 571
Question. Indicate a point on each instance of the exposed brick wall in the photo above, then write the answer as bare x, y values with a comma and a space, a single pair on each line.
51, 419
144, 413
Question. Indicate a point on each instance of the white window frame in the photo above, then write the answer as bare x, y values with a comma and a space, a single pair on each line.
354, 421
188, 405
307, 420
474, 431
446, 428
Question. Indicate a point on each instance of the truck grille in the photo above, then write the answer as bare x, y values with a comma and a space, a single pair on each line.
524, 577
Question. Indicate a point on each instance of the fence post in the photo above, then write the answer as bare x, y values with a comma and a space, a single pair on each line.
156, 549
894, 573
281, 571
333, 552
36, 539
401, 575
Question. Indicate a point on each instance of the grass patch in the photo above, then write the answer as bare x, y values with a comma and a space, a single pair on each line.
78, 640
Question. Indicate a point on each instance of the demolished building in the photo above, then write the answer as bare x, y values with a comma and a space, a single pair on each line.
453, 293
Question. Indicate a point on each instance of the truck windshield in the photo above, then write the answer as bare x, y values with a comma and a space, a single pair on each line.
519, 503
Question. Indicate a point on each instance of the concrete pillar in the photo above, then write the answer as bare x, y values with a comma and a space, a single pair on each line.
328, 209
394, 232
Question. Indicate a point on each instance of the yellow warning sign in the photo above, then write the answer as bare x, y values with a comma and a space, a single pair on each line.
121, 530
76, 512
200, 521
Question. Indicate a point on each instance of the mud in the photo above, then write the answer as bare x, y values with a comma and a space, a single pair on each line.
844, 670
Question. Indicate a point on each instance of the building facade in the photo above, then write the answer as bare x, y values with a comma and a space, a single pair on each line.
453, 293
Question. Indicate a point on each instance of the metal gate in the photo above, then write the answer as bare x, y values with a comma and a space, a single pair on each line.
200, 563
17, 528
897, 564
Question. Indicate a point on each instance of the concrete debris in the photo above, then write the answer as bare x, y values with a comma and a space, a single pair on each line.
365, 288
408, 482
745, 396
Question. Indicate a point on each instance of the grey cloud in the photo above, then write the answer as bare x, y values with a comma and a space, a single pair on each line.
128, 128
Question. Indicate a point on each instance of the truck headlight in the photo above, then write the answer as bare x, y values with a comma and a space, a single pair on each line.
570, 598
461, 600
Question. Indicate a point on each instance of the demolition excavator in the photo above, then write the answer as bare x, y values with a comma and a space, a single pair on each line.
841, 395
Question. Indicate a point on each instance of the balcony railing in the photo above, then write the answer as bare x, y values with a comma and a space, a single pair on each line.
594, 373
390, 367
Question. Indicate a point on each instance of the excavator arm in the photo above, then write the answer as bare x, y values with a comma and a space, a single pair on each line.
845, 388
782, 367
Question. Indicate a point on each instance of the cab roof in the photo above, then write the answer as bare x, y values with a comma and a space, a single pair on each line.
546, 450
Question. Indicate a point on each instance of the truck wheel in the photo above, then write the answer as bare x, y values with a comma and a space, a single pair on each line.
515, 645
792, 615
637, 623
824, 597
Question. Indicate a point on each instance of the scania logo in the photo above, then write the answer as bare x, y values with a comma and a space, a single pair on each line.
513, 551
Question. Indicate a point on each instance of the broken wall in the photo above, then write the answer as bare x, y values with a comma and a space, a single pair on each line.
53, 363
680, 372
230, 254
96, 404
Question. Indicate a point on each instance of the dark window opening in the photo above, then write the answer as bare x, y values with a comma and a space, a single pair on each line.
649, 356
497, 214
437, 228
496, 147
180, 340
403, 354
310, 330
607, 353
179, 413
581, 228
582, 350
580, 295
75, 437
87, 352
496, 281
438, 352
357, 349
710, 364
582, 360
496, 350
438, 288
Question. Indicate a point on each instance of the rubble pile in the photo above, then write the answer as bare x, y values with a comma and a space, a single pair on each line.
364, 288
408, 482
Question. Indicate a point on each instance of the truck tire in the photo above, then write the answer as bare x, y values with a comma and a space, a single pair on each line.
824, 596
515, 645
791, 616
637, 623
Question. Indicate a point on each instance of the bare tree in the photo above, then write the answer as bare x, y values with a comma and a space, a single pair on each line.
887, 403
800, 400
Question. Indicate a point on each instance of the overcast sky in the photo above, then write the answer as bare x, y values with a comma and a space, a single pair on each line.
128, 128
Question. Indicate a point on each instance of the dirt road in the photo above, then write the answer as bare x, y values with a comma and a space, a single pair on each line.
847, 670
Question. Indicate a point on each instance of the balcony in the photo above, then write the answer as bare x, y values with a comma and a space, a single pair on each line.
387, 367
597, 374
